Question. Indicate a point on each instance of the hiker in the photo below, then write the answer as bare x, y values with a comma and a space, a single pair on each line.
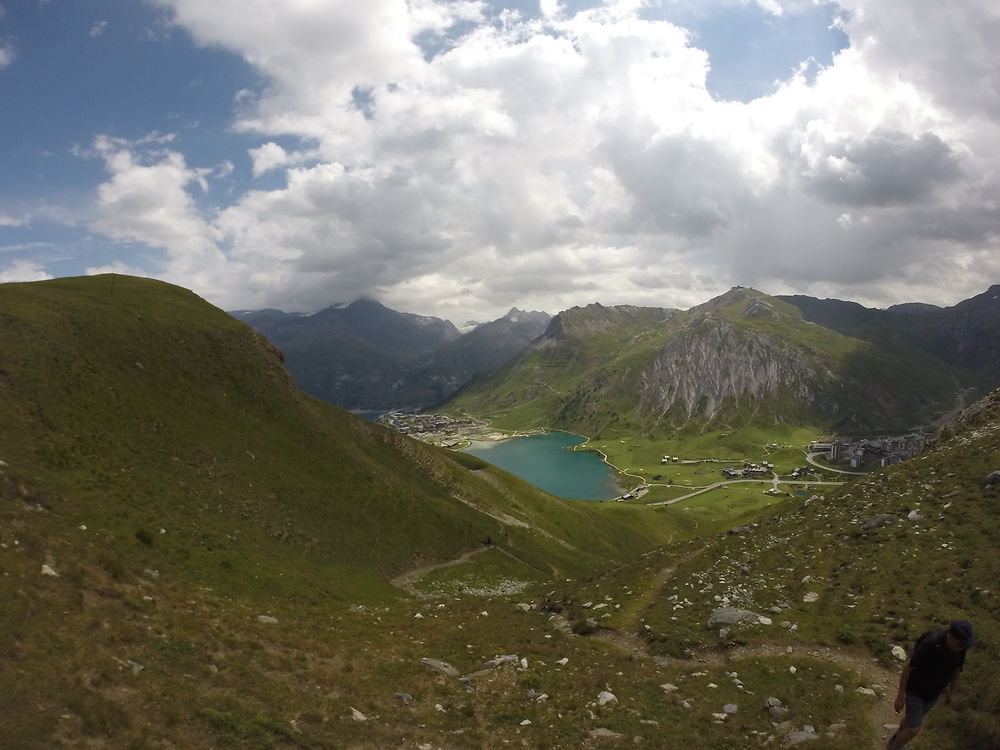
934, 665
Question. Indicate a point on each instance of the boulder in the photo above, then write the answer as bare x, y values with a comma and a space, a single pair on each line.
503, 659
797, 738
605, 734
885, 519
440, 666
726, 616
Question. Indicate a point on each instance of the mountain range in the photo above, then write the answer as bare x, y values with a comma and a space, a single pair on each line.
367, 357
744, 357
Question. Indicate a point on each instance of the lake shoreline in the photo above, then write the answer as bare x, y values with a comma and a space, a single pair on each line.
562, 469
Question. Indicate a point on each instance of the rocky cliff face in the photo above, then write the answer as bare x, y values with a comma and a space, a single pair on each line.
709, 364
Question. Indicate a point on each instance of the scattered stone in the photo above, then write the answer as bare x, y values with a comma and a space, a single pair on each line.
834, 728
405, 698
496, 661
418, 616
267, 619
899, 653
440, 666
838, 688
357, 715
136, 666
605, 697
47, 571
526, 723
562, 662
792, 670
914, 515
686, 704
739, 530
778, 713
865, 691
669, 687
810, 597
523, 607
524, 662
730, 709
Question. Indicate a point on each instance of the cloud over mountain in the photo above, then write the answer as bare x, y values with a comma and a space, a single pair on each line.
454, 159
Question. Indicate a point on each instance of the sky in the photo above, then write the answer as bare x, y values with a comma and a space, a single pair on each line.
458, 158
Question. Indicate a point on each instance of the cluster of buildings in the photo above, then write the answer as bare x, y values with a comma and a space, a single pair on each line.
433, 428
887, 450
750, 470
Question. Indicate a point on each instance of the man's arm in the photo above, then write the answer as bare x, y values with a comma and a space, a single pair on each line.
901, 693
951, 686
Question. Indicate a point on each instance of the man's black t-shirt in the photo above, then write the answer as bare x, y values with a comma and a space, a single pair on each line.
933, 665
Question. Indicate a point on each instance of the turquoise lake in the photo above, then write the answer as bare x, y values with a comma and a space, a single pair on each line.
547, 462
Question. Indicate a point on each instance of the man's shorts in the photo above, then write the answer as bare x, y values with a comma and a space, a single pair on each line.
916, 709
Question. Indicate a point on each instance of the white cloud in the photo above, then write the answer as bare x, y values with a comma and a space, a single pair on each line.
268, 157
98, 28
23, 270
6, 220
147, 200
456, 164
7, 54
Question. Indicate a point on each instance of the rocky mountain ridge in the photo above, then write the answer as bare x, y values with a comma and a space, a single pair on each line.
739, 357
365, 356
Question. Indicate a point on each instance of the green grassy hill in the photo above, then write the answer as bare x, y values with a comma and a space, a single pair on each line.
155, 452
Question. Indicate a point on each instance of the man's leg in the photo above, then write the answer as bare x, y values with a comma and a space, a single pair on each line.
912, 721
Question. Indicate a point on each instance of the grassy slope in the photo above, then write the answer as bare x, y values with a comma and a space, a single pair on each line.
128, 406
876, 588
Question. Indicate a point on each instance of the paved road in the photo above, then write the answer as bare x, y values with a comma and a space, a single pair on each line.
809, 458
700, 490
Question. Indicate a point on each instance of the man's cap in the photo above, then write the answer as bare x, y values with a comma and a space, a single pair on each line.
962, 630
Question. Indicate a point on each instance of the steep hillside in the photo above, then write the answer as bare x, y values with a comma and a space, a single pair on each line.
740, 358
487, 347
367, 357
966, 335
163, 484
872, 566
354, 356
